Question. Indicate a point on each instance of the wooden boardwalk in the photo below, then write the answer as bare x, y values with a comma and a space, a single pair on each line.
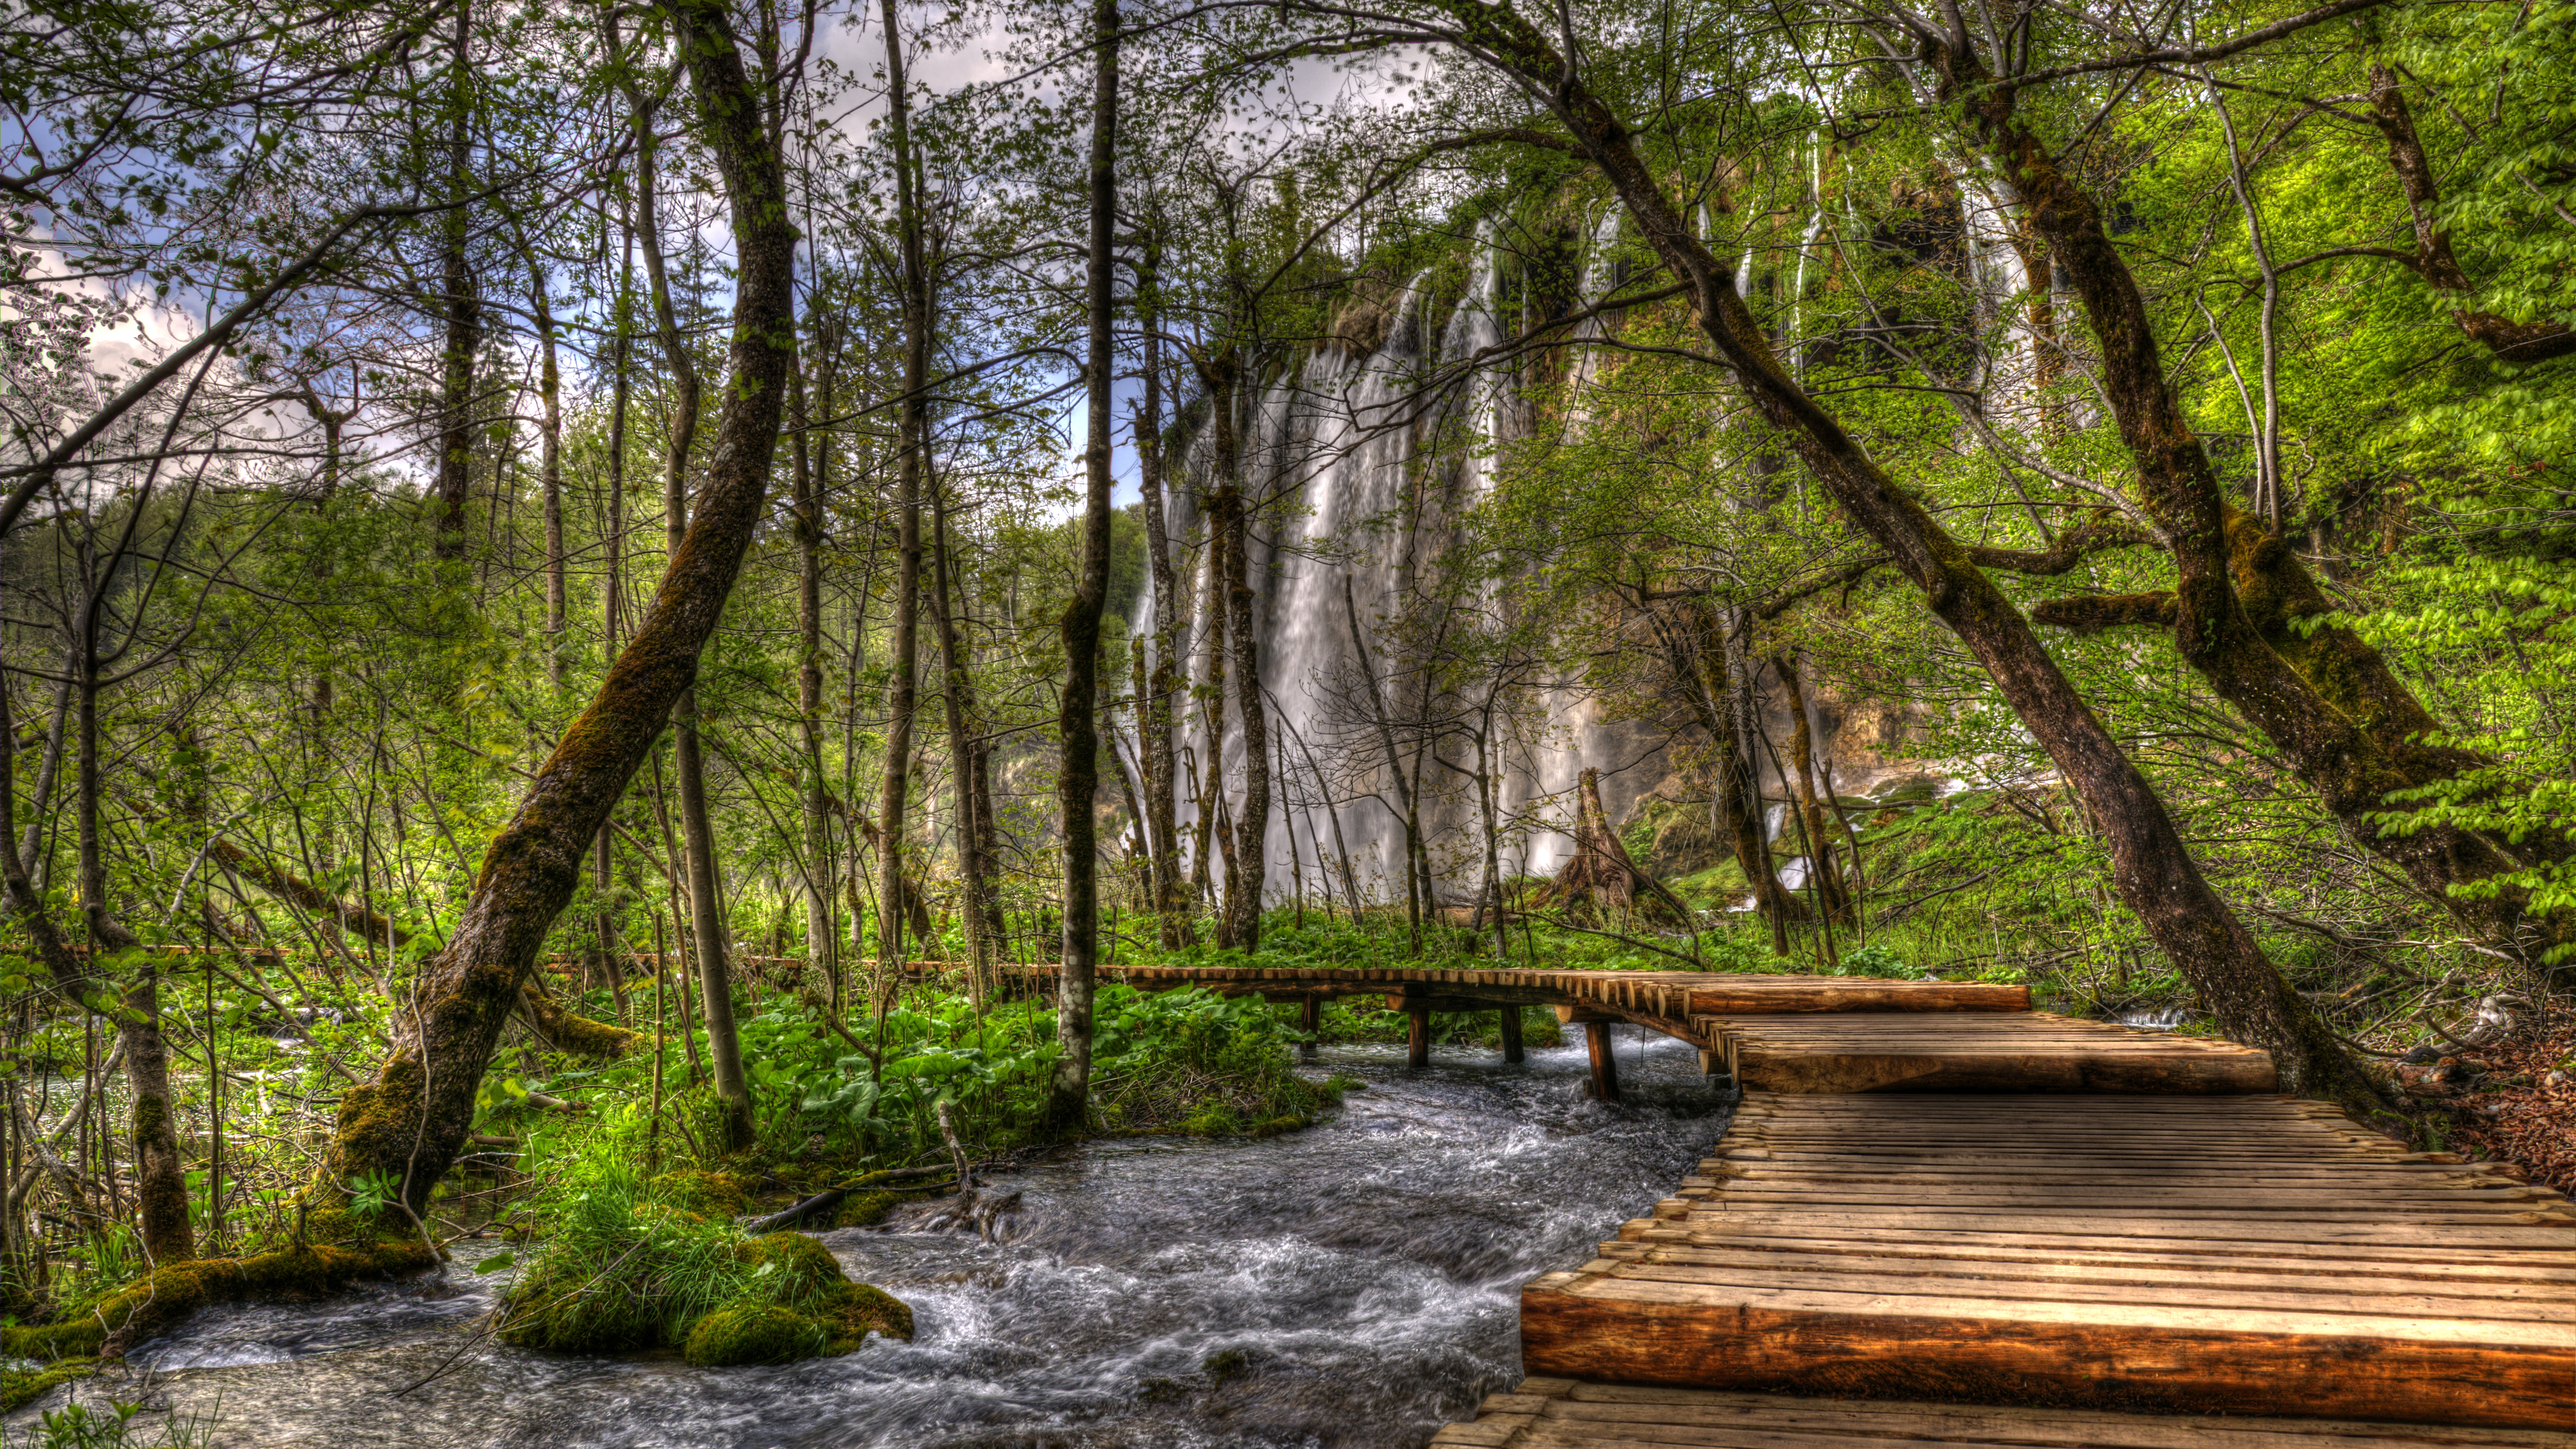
2076, 1232
1557, 1413
2233, 1255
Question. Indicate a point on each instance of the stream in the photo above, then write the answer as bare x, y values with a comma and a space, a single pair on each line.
1356, 1284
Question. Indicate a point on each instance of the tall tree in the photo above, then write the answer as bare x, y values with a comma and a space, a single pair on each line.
697, 830
912, 443
1077, 720
460, 302
411, 1120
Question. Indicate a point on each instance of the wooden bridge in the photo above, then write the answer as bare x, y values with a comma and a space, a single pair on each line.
1771, 1033
1942, 1218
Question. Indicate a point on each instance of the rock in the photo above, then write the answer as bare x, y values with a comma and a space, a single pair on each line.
750, 1333
2555, 1079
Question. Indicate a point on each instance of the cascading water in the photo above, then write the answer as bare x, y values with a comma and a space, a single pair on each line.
1341, 445
1362, 1277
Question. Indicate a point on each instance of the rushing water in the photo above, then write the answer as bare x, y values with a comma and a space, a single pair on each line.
1366, 1272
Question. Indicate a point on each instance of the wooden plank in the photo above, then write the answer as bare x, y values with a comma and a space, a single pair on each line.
2538, 1304
1555, 1411
2429, 1371
2544, 1248
2542, 1284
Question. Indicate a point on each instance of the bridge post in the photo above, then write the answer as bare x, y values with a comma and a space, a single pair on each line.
1605, 1067
1512, 1034
1311, 1021
1418, 1034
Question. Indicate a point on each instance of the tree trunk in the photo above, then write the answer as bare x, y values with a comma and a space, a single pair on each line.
549, 461
688, 762
1832, 899
611, 588
2435, 261
462, 305
912, 439
1154, 710
412, 1119
1414, 905
2155, 873
813, 463
1077, 729
1211, 696
981, 910
1247, 869
161, 1180
1720, 696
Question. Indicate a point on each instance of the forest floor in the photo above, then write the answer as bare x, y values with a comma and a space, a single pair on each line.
2514, 1100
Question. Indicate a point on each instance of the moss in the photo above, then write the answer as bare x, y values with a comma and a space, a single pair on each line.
1227, 1363
753, 1333
808, 1278
19, 1387
339, 1225
152, 1304
579, 1035
855, 1310
562, 1307
709, 1194
804, 1266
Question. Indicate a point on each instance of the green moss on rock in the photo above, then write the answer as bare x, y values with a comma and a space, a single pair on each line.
805, 1268
753, 1333
858, 1309
709, 1194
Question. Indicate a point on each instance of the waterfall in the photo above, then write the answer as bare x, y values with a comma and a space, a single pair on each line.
1332, 442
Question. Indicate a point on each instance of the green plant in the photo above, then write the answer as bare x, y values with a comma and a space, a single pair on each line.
119, 1426
370, 1193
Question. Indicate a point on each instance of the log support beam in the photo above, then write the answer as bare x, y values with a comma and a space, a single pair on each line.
1311, 1020
1605, 1067
1512, 1035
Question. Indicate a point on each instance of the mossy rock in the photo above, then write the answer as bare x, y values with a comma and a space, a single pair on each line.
859, 1309
709, 1194
568, 1309
753, 1333
805, 1267
1908, 790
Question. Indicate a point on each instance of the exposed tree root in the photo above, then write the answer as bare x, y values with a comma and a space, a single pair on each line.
158, 1302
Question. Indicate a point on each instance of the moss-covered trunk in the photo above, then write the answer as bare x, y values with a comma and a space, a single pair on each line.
411, 1120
